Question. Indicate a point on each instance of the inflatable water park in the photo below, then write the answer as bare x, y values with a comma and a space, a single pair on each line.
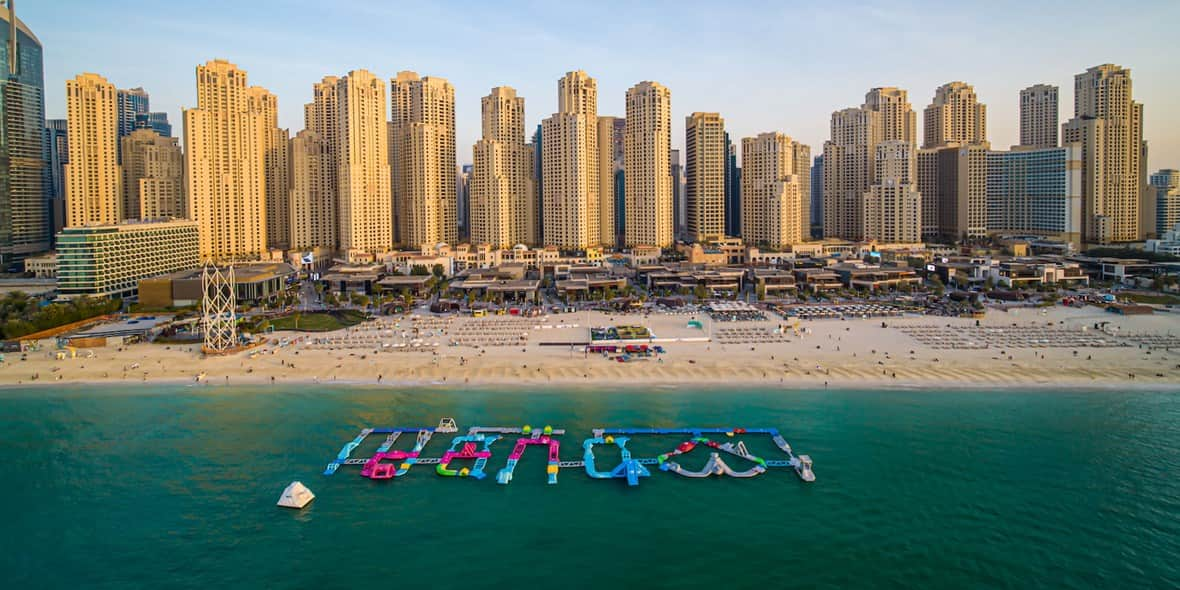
721, 446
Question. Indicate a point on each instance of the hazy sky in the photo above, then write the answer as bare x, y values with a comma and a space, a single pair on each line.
765, 66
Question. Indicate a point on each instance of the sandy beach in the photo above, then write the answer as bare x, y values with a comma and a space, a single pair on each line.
830, 352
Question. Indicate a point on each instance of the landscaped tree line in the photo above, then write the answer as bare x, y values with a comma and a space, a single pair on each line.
21, 314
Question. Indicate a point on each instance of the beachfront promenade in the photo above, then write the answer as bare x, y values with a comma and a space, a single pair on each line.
1017, 348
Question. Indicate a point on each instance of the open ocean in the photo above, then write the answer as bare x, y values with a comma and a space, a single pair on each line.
175, 487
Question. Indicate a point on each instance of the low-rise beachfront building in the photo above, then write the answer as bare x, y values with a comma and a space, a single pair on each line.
110, 260
414, 285
42, 266
353, 278
716, 282
771, 282
873, 277
817, 280
1130, 271
1034, 272
254, 282
965, 270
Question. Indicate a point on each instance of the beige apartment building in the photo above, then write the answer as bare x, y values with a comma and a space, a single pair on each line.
892, 208
898, 119
153, 176
422, 160
364, 201
955, 117
1108, 123
276, 144
849, 158
312, 198
647, 157
502, 203
774, 209
569, 166
225, 166
705, 156
94, 191
610, 164
1038, 116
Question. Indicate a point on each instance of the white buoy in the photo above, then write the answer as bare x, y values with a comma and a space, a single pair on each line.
296, 496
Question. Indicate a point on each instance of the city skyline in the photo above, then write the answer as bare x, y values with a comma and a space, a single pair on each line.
752, 83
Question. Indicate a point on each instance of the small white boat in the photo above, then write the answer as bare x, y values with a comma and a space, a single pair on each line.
296, 496
803, 468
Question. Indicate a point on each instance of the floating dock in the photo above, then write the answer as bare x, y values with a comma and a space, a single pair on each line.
476, 445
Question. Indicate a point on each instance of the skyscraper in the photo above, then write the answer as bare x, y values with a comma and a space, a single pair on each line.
423, 160
225, 166
647, 146
57, 138
679, 207
24, 166
364, 201
1108, 123
157, 122
569, 180
892, 209
898, 119
94, 183
955, 117
1038, 116
706, 161
733, 191
502, 204
153, 176
817, 196
131, 103
276, 142
320, 170
610, 169
1036, 191
1166, 186
312, 197
774, 208
849, 160
463, 198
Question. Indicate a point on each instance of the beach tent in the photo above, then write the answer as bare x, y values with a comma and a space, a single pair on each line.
296, 496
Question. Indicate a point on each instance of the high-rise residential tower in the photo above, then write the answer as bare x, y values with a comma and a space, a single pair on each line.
153, 176
705, 179
1108, 123
312, 196
1038, 116
94, 184
364, 202
892, 207
898, 119
1166, 186
849, 160
610, 180
817, 195
775, 210
422, 155
733, 190
278, 223
58, 139
225, 166
570, 211
24, 169
955, 117
502, 204
131, 103
647, 158
157, 122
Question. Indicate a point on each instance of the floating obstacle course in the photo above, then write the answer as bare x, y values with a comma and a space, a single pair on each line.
476, 445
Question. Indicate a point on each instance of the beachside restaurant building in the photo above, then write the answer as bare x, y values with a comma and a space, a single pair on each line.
352, 278
772, 281
1034, 273
716, 281
817, 280
862, 276
253, 282
417, 286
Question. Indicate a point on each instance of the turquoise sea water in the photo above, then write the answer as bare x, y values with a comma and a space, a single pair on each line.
173, 486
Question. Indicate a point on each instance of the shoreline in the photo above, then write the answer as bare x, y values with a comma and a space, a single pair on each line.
1055, 348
